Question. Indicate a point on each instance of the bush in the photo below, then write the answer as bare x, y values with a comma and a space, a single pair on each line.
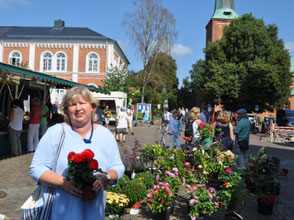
147, 178
123, 181
135, 190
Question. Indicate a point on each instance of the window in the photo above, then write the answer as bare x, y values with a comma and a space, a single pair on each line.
47, 61
15, 59
92, 62
60, 62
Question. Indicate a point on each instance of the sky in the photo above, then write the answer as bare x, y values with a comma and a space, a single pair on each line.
105, 17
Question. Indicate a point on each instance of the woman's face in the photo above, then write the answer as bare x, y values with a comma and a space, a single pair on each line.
79, 110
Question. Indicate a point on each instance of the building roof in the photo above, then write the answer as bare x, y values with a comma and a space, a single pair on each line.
72, 33
225, 9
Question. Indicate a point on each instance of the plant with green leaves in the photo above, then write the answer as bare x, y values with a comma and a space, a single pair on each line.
147, 178
116, 202
135, 190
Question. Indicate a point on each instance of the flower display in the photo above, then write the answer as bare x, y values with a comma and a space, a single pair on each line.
81, 167
160, 198
201, 200
135, 190
116, 202
147, 178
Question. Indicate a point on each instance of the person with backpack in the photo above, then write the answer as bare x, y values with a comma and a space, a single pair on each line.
224, 130
191, 129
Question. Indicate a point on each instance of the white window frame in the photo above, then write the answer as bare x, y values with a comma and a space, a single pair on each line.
65, 61
88, 63
11, 57
42, 62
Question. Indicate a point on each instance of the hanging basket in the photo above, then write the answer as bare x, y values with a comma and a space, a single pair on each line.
265, 209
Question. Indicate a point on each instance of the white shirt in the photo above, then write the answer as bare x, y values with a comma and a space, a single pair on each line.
167, 116
122, 120
195, 131
16, 122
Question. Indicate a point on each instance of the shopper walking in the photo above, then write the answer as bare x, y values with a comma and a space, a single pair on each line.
33, 132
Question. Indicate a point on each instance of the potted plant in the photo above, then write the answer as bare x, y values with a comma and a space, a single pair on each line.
207, 132
135, 190
262, 180
81, 167
147, 178
116, 203
160, 200
202, 201
172, 177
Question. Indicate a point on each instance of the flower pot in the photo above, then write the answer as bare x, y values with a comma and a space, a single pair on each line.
88, 194
164, 215
136, 205
265, 209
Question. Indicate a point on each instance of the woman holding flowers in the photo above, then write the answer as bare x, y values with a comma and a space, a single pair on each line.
78, 107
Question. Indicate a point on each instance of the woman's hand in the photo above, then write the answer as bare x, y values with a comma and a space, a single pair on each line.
100, 183
69, 187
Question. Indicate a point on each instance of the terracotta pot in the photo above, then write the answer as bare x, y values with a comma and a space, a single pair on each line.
136, 205
88, 194
265, 209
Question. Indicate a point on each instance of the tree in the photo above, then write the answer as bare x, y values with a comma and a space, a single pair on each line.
152, 30
116, 79
163, 81
249, 66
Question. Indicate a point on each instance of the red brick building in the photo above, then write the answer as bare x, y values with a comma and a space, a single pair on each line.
73, 53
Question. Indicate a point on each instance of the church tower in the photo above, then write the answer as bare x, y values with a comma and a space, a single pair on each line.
224, 14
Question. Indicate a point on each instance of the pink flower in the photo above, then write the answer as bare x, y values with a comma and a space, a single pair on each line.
210, 196
228, 170
188, 186
176, 173
193, 218
216, 203
194, 188
192, 202
157, 177
156, 187
172, 175
183, 180
175, 169
195, 196
187, 164
162, 201
194, 181
170, 194
225, 184
212, 190
149, 195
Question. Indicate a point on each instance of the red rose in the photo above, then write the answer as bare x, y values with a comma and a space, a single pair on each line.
272, 198
256, 175
210, 129
77, 158
252, 167
94, 164
87, 155
70, 156
225, 184
285, 170
136, 189
187, 164
228, 170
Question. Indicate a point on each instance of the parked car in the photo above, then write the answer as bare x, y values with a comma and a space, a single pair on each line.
254, 123
285, 118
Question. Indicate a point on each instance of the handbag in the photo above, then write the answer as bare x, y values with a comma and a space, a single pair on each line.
243, 144
29, 209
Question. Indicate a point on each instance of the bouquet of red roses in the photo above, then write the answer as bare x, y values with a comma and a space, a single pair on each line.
81, 169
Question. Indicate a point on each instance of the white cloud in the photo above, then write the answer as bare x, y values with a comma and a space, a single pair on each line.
181, 50
9, 3
290, 46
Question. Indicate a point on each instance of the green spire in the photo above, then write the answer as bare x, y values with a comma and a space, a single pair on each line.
225, 9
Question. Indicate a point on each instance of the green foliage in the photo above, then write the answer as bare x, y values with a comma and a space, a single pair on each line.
135, 190
116, 202
116, 79
123, 181
147, 178
249, 66
116, 188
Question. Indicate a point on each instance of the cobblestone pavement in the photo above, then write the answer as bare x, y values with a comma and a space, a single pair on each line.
16, 183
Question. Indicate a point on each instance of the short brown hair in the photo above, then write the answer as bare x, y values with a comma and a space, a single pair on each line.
74, 93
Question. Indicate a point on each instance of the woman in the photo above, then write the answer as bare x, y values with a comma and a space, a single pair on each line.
193, 118
107, 116
15, 127
122, 122
33, 132
224, 130
146, 116
78, 107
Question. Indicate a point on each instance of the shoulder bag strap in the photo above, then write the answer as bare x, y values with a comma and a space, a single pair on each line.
62, 136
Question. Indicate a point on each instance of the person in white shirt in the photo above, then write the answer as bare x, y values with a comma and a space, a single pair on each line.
15, 127
130, 115
122, 121
166, 116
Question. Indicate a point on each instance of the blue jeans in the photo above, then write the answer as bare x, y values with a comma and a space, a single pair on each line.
174, 141
242, 155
